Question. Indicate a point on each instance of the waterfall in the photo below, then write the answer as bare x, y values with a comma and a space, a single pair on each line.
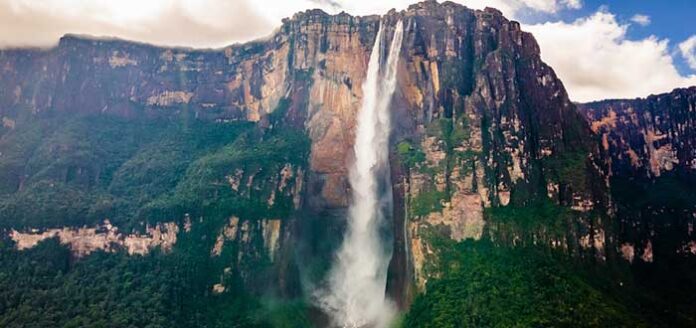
355, 295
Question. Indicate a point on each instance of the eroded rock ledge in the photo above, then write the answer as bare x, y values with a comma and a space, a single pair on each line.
104, 237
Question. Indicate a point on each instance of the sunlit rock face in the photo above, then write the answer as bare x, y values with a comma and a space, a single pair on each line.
649, 147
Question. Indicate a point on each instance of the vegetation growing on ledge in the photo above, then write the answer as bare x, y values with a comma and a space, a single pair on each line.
304, 75
204, 187
541, 218
427, 202
410, 156
568, 168
483, 285
81, 170
452, 133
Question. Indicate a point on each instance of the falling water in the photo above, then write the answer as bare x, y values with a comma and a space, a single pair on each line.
355, 296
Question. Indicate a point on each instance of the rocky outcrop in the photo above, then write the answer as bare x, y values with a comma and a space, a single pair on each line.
243, 232
105, 237
128, 79
647, 137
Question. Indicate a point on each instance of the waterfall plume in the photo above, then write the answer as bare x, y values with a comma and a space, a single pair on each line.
355, 295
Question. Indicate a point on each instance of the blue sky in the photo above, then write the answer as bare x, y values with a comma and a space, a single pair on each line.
673, 19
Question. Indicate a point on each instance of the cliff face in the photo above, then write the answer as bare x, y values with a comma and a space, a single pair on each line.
648, 146
315, 64
646, 137
482, 129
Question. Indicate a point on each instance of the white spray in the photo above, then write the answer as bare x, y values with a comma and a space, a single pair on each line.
356, 296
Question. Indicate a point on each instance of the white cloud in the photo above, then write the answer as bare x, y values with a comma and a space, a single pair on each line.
642, 20
595, 60
688, 51
573, 4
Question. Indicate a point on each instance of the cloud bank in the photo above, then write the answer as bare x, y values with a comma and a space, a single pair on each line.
207, 23
595, 60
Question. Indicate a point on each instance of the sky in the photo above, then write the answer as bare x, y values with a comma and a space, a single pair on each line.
599, 48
